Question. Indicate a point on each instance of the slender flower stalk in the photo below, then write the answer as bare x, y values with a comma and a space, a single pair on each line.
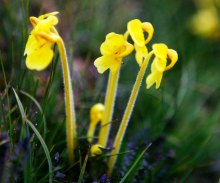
69, 102
109, 105
39, 55
127, 114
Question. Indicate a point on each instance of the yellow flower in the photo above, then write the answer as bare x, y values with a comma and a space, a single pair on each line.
136, 30
96, 112
96, 149
113, 49
159, 64
96, 115
39, 45
206, 23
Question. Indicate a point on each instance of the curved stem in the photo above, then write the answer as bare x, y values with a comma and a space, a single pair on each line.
69, 103
91, 131
109, 105
127, 114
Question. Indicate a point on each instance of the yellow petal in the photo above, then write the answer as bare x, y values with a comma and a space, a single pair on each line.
112, 44
34, 21
32, 44
160, 64
154, 77
173, 56
45, 25
41, 17
148, 27
40, 59
52, 20
153, 65
150, 80
141, 52
160, 50
135, 29
106, 62
158, 78
127, 49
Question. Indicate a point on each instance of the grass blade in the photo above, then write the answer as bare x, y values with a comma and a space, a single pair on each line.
8, 101
47, 153
134, 165
39, 108
83, 169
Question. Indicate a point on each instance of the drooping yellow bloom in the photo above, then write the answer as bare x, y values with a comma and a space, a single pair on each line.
96, 115
113, 49
159, 64
96, 150
39, 45
136, 30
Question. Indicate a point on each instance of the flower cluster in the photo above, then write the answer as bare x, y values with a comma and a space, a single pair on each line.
113, 50
39, 51
116, 46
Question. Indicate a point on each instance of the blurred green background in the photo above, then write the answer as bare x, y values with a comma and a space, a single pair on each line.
181, 119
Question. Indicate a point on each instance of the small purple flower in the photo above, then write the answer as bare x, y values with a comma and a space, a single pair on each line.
60, 175
57, 157
104, 179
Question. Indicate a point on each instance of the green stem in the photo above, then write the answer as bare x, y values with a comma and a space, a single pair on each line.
109, 105
127, 114
69, 102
